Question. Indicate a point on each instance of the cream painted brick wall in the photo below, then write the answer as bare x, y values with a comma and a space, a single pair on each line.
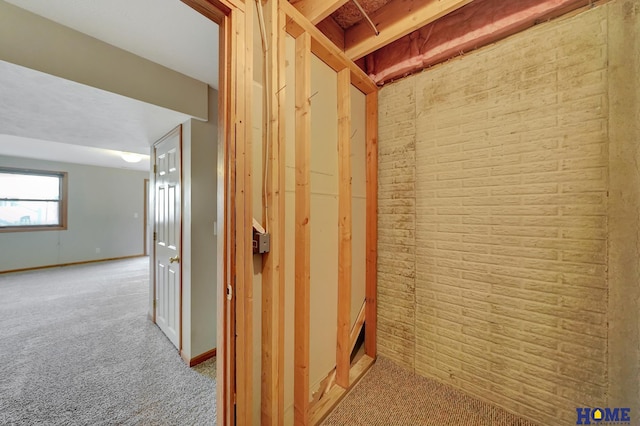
493, 220
396, 224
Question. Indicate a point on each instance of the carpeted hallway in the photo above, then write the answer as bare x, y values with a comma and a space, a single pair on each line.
389, 395
77, 348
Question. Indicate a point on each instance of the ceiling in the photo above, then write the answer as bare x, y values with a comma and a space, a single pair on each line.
409, 35
38, 106
14, 146
349, 14
90, 126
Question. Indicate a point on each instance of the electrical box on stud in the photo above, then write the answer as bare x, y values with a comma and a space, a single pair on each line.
261, 239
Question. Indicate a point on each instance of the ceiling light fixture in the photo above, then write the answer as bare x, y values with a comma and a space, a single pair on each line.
131, 157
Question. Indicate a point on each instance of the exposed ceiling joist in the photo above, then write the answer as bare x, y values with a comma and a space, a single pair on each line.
325, 49
316, 10
333, 31
394, 20
478, 24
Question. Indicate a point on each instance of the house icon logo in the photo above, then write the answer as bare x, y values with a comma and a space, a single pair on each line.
597, 415
603, 416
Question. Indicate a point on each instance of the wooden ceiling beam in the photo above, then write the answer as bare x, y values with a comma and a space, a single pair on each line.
324, 49
394, 20
316, 10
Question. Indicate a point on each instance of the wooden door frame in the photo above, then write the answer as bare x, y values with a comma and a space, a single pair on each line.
145, 223
234, 215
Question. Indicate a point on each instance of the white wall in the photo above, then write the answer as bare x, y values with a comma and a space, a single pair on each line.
105, 212
34, 42
199, 191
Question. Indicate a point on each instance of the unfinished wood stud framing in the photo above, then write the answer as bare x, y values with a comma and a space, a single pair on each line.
324, 49
226, 328
343, 354
243, 214
302, 229
357, 327
308, 40
234, 349
371, 223
335, 394
272, 391
281, 94
317, 10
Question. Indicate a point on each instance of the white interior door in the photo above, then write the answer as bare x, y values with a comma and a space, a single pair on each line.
168, 235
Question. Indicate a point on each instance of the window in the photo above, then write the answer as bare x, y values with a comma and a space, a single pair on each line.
32, 200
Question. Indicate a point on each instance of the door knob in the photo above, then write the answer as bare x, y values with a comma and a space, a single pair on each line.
174, 259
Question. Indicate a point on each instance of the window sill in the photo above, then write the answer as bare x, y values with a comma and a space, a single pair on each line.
32, 228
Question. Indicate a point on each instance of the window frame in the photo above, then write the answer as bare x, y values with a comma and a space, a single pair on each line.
63, 202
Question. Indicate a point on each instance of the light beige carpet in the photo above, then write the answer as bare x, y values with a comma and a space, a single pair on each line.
77, 348
390, 395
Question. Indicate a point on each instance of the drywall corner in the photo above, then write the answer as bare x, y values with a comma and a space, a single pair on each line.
203, 208
187, 235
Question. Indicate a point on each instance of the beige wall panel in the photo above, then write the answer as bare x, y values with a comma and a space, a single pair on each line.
324, 129
324, 222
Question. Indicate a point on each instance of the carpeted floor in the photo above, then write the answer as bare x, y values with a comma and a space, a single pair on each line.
389, 395
77, 348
